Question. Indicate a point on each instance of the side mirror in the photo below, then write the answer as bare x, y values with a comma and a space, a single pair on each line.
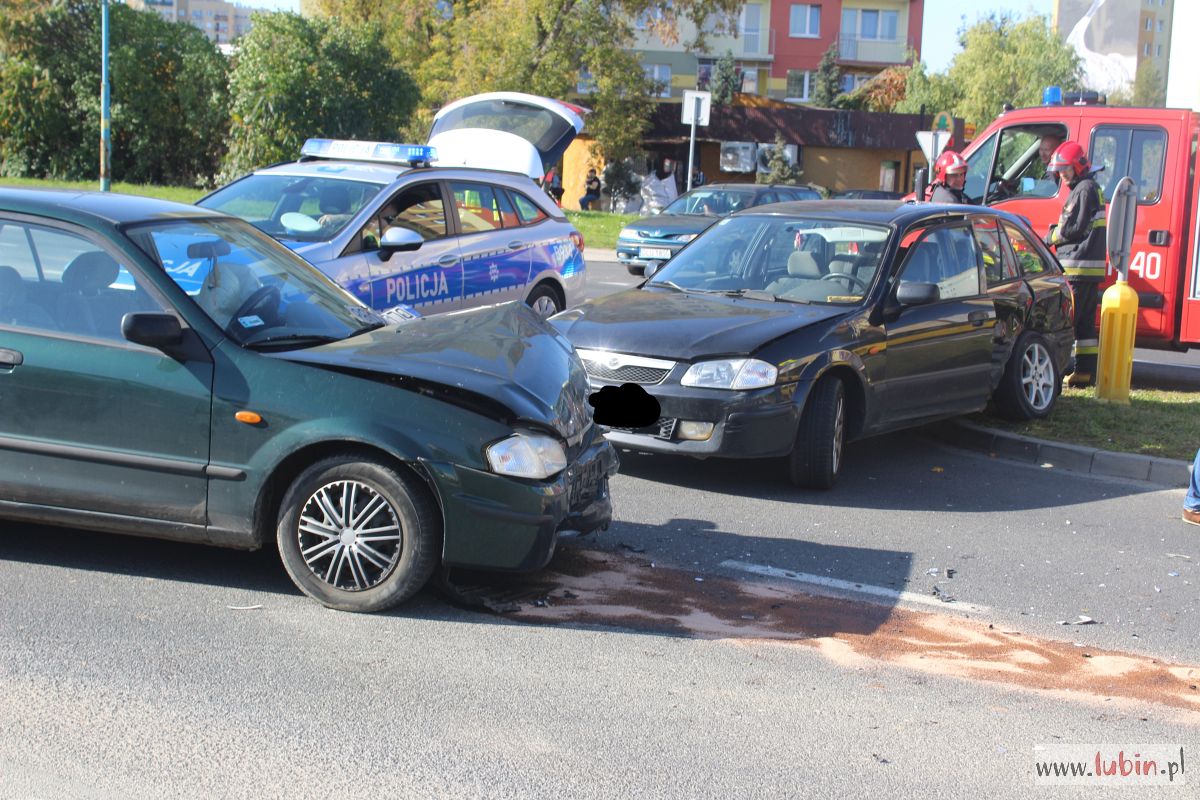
155, 330
399, 240
913, 293
651, 268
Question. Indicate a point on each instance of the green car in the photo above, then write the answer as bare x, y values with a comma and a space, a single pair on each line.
172, 372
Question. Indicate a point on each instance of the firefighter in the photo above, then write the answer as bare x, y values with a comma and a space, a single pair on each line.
1081, 241
950, 176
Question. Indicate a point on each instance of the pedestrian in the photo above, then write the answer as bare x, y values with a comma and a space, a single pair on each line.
591, 190
950, 176
697, 177
1080, 238
552, 183
1191, 501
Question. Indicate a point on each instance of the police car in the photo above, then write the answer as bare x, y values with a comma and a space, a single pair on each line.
456, 223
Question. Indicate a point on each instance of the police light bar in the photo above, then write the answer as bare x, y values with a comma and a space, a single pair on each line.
388, 152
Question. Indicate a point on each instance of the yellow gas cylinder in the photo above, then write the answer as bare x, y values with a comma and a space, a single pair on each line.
1118, 325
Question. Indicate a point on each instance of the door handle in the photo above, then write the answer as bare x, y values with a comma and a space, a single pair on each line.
10, 358
514, 245
977, 318
448, 259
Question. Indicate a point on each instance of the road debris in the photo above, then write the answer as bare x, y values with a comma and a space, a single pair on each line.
1179, 555
244, 608
932, 571
941, 595
950, 573
1080, 620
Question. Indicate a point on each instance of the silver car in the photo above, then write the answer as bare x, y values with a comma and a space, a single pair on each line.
397, 228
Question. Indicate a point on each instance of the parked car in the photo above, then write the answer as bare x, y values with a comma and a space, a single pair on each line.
868, 194
169, 371
790, 329
644, 244
483, 231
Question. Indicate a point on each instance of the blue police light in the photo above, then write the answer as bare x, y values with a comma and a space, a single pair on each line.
388, 152
1052, 96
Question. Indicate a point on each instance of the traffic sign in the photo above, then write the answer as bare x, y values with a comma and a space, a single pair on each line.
944, 121
697, 110
933, 143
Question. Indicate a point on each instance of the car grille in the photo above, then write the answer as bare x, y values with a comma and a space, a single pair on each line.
626, 373
663, 429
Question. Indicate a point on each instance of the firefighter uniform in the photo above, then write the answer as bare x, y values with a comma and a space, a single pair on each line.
948, 194
1081, 243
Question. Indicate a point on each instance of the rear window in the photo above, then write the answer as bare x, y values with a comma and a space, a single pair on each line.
527, 210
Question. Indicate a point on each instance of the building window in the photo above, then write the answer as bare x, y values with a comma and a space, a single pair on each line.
1160, 26
749, 80
704, 73
869, 23
798, 82
805, 21
1146, 49
847, 83
660, 73
751, 27
1158, 51
1149, 23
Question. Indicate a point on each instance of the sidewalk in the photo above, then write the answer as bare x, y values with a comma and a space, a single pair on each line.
1165, 472
599, 254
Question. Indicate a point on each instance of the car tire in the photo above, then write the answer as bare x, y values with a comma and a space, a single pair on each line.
544, 300
364, 566
816, 458
1031, 382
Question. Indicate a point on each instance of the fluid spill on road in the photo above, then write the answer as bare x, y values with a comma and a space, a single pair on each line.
596, 588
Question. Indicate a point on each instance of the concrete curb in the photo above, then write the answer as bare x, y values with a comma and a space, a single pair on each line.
1167, 472
599, 254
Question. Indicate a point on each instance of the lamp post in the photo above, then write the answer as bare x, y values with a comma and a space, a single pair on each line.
105, 135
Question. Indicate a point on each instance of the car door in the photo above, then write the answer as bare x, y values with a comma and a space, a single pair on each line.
496, 252
90, 422
939, 354
1009, 293
429, 278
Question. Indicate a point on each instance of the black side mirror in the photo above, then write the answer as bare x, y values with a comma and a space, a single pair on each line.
399, 240
156, 330
913, 293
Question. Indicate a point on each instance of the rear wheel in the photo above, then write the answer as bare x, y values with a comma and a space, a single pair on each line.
816, 458
356, 534
1031, 381
544, 300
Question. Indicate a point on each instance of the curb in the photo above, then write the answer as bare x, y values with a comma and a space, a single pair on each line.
599, 254
1166, 472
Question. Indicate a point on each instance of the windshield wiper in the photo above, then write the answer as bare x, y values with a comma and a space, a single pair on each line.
752, 294
669, 285
370, 326
293, 339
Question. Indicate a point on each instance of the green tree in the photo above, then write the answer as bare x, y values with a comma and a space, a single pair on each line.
295, 78
779, 168
1148, 88
169, 102
829, 79
725, 83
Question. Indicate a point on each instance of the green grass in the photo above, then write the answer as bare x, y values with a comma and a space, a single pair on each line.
180, 194
600, 228
1155, 423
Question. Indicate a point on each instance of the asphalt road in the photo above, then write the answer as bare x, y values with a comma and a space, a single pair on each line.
646, 662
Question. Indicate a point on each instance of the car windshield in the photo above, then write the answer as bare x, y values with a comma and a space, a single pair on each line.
258, 291
711, 202
294, 207
782, 258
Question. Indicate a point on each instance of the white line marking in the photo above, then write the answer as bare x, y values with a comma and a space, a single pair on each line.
879, 593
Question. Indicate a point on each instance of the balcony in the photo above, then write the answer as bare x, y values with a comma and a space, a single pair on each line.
860, 50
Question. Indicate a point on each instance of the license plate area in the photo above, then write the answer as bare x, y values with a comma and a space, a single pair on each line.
584, 480
655, 252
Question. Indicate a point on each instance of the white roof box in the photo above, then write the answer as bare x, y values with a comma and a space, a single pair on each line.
508, 131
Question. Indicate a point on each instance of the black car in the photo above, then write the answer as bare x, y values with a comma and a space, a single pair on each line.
787, 330
644, 244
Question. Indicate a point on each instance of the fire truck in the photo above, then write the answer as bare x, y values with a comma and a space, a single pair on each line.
1157, 147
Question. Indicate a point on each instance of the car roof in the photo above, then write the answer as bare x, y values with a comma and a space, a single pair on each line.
880, 212
111, 207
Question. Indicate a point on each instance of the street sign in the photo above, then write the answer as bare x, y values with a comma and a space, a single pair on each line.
944, 121
933, 143
692, 110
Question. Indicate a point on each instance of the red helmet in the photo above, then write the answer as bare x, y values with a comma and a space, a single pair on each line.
948, 163
1069, 154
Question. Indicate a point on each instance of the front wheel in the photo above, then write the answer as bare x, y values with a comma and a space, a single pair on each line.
356, 534
816, 458
1031, 381
544, 300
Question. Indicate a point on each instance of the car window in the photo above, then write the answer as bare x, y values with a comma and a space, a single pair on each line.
1117, 151
82, 289
16, 250
1030, 261
998, 265
508, 214
946, 256
295, 207
1021, 158
476, 206
418, 208
979, 167
527, 210
766, 197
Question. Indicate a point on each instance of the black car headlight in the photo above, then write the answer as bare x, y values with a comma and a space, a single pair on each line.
527, 455
733, 373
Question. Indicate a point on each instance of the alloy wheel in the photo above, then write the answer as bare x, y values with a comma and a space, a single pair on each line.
545, 306
349, 535
1037, 377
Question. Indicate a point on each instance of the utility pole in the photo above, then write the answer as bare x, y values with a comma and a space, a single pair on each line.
105, 134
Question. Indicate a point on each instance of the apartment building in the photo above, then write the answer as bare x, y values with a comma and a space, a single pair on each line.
777, 45
220, 21
1114, 37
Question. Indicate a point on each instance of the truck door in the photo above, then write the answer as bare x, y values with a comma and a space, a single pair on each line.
1189, 331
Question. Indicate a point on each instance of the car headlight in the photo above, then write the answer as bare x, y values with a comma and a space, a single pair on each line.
526, 455
686, 237
735, 373
627, 233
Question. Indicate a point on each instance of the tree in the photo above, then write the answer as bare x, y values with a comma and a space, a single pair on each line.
779, 168
296, 78
829, 79
169, 104
1148, 88
882, 93
725, 83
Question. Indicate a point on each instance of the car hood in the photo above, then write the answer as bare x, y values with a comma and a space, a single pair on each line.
662, 225
497, 354
682, 325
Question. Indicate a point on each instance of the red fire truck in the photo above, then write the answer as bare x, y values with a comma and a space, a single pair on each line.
1157, 148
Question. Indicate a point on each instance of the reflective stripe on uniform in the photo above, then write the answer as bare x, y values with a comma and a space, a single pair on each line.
1085, 347
1083, 267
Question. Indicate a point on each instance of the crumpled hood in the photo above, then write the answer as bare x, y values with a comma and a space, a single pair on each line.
504, 353
680, 326
661, 225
